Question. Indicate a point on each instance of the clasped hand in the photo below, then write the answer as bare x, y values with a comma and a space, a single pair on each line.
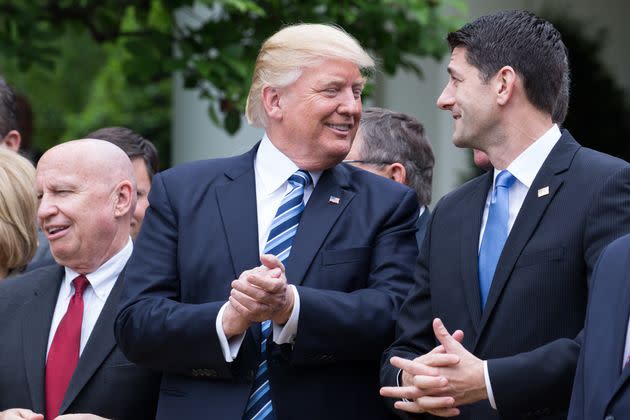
259, 294
441, 380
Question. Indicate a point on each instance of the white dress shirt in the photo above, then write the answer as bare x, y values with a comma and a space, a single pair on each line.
272, 170
101, 284
626, 351
524, 168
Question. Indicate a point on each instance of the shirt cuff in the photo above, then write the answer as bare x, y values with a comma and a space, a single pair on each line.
229, 347
486, 377
285, 334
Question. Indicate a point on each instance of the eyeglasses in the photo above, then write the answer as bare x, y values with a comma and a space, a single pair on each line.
367, 162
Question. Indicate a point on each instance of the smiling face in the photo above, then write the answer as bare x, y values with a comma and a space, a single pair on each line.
314, 120
80, 208
471, 102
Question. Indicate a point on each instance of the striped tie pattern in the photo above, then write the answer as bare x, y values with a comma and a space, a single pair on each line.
281, 234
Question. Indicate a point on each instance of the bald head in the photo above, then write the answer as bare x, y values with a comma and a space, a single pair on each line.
87, 196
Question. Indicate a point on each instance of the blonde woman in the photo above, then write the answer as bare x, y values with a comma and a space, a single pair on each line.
18, 212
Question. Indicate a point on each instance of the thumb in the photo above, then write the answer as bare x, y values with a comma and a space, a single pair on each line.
271, 261
450, 343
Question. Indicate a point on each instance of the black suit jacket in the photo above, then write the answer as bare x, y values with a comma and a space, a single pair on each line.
601, 387
537, 301
351, 261
104, 383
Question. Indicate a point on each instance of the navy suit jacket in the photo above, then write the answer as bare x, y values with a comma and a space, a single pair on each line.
601, 388
104, 383
537, 301
352, 264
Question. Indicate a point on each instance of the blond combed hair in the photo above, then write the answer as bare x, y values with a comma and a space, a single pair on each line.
285, 54
18, 210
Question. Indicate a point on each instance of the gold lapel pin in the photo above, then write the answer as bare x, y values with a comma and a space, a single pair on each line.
543, 191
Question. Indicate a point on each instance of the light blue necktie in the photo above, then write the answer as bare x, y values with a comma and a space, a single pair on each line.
281, 234
496, 232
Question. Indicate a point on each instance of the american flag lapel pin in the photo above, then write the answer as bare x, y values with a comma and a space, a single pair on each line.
333, 200
543, 191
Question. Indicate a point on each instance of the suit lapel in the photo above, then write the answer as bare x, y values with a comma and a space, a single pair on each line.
470, 247
237, 203
35, 331
550, 175
620, 329
99, 346
318, 218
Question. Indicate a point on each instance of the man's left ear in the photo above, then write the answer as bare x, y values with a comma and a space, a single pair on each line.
505, 83
124, 199
12, 140
271, 102
397, 172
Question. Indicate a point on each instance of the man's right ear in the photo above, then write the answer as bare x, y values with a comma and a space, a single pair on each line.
271, 102
12, 140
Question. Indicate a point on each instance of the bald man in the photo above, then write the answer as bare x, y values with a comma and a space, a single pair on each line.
58, 354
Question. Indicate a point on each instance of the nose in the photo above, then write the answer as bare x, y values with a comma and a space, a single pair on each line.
46, 209
446, 99
349, 103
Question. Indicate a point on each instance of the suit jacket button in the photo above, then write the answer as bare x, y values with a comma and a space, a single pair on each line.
610, 418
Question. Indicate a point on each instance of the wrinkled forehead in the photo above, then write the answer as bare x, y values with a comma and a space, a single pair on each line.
52, 171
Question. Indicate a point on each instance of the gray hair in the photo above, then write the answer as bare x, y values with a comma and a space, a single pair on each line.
390, 137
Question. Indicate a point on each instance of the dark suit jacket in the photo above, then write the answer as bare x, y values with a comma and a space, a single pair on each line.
537, 301
351, 262
601, 388
421, 224
104, 383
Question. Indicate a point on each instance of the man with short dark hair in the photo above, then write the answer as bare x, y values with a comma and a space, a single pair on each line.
144, 157
508, 256
394, 145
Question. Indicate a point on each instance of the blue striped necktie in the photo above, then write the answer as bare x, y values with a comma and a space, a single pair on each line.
281, 234
495, 234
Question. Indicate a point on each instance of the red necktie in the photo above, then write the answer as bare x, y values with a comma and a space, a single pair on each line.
63, 355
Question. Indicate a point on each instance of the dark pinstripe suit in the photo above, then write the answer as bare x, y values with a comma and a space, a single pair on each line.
537, 300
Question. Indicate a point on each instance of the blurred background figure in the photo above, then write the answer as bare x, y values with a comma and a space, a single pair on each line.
9, 135
394, 145
144, 157
18, 211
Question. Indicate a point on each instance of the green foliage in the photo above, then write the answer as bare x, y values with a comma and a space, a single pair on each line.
213, 43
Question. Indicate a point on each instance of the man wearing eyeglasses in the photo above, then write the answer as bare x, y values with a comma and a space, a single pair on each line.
394, 145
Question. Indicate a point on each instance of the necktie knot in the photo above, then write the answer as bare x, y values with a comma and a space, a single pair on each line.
80, 283
301, 178
505, 179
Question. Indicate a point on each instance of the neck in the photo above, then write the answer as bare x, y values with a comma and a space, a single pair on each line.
518, 134
4, 273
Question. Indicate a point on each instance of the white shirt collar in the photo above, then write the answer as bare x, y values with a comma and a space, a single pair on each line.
103, 278
273, 168
526, 166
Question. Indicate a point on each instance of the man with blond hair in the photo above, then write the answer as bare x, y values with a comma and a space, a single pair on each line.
300, 335
58, 353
